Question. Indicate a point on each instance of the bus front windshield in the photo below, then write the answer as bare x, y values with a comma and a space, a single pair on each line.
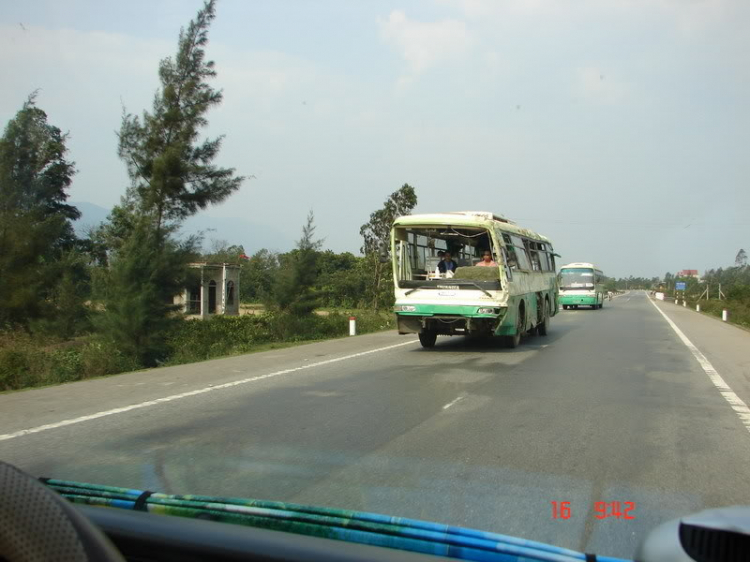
576, 278
419, 252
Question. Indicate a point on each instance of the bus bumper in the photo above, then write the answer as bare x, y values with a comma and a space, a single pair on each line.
450, 324
575, 300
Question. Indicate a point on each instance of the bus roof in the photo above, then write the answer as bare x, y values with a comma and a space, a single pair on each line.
468, 218
580, 265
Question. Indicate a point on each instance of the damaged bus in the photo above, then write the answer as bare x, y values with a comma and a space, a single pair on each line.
513, 291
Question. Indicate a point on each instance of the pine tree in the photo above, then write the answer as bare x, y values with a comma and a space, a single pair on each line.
294, 287
35, 220
172, 177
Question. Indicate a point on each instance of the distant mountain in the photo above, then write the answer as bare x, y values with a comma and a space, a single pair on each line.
91, 216
235, 230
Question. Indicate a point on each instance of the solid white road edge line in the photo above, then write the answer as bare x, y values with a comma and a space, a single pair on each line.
205, 390
737, 404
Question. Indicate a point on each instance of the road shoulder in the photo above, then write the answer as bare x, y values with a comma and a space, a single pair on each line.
724, 345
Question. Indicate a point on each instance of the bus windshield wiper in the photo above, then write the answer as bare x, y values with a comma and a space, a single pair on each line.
485, 291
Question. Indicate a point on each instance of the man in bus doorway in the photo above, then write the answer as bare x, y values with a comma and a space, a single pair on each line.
487, 260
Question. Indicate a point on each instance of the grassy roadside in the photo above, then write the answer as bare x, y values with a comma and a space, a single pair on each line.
739, 310
257, 349
28, 362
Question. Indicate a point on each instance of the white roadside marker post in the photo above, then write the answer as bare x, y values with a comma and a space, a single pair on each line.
352, 326
725, 315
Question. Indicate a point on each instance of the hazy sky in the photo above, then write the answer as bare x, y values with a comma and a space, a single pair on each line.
620, 129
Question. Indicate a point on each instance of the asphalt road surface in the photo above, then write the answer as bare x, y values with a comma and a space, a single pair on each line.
613, 405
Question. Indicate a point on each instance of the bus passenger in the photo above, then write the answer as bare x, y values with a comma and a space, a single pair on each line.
447, 264
487, 260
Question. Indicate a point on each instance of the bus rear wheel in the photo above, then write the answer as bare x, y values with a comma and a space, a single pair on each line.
541, 328
427, 339
514, 341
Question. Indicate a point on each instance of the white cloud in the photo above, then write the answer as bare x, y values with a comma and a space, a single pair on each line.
424, 45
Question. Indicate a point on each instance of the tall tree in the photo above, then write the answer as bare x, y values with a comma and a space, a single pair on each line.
376, 237
172, 173
294, 287
741, 259
137, 290
35, 220
172, 176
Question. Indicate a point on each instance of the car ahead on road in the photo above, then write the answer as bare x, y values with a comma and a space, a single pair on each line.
41, 522
473, 274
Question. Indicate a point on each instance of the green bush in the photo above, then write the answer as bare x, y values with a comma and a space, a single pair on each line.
98, 358
62, 366
14, 368
198, 340
739, 310
27, 361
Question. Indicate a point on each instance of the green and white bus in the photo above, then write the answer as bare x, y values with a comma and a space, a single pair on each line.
515, 292
581, 284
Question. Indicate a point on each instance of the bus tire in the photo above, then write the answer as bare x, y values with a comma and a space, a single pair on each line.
541, 329
427, 339
512, 342
565, 307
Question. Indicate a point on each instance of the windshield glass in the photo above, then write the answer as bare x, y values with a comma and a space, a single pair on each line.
427, 255
576, 278
310, 251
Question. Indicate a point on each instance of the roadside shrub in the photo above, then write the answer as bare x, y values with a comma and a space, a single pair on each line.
14, 368
99, 357
198, 340
739, 310
61, 366
25, 363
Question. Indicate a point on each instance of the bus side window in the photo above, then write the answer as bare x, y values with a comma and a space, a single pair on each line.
544, 257
520, 252
506, 265
531, 247
510, 252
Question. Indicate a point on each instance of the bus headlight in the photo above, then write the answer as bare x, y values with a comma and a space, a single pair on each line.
404, 308
488, 311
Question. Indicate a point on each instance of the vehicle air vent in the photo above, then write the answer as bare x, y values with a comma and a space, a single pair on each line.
714, 545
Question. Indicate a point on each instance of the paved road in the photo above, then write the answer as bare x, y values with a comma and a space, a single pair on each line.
612, 405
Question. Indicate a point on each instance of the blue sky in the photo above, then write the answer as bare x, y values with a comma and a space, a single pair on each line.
617, 128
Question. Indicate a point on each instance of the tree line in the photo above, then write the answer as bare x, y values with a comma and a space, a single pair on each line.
117, 284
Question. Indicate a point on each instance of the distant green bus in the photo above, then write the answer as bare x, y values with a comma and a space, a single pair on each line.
581, 284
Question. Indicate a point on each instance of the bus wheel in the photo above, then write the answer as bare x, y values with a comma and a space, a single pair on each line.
427, 339
565, 307
515, 340
541, 328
